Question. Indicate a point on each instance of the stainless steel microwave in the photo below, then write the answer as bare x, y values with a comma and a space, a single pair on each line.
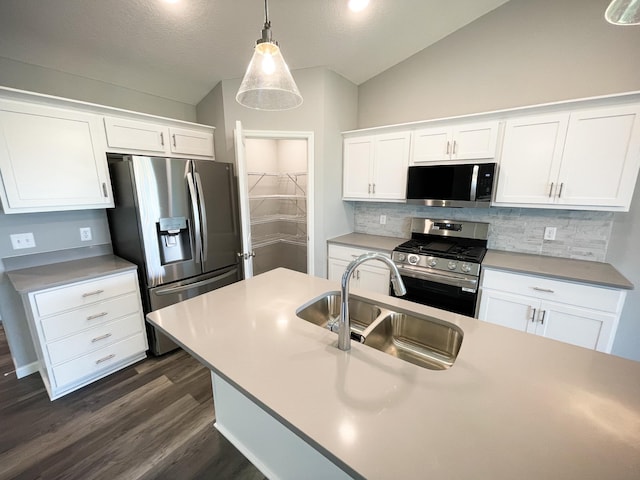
467, 185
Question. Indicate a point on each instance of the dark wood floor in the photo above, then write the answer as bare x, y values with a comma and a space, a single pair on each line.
153, 420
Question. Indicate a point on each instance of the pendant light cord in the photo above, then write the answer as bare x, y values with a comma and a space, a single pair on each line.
267, 23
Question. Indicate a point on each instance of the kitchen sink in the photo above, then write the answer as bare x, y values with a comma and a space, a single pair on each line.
325, 312
419, 339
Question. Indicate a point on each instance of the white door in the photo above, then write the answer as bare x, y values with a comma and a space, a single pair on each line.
531, 156
431, 145
358, 165
601, 157
506, 309
391, 159
293, 196
243, 191
475, 141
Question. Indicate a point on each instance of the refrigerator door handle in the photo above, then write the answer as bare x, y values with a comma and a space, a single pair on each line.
203, 219
189, 286
196, 214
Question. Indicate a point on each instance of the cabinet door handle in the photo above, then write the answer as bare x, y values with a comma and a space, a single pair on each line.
448, 147
543, 312
550, 189
97, 315
560, 192
174, 140
101, 337
357, 274
533, 315
162, 139
104, 359
104, 190
374, 189
546, 290
369, 189
95, 292
455, 145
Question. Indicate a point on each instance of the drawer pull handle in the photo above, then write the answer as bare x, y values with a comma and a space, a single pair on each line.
546, 290
97, 315
95, 292
104, 359
101, 337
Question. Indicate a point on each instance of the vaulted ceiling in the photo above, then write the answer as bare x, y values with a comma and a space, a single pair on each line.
182, 50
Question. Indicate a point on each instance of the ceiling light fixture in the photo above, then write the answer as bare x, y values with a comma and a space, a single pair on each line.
268, 84
358, 5
623, 12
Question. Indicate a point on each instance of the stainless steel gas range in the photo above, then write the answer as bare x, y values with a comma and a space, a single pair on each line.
440, 265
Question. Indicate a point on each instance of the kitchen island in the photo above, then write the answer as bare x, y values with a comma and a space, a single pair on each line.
512, 406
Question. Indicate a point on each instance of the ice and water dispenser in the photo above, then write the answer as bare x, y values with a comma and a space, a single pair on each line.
174, 240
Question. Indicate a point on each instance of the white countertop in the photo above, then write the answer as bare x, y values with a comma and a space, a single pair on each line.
514, 405
372, 242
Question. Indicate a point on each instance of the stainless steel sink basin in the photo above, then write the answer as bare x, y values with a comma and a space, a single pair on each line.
428, 343
325, 312
424, 341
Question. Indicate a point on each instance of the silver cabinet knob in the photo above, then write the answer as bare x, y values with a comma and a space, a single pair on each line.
452, 265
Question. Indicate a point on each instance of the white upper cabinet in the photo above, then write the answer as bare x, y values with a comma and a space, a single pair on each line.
586, 159
51, 159
126, 135
473, 141
375, 167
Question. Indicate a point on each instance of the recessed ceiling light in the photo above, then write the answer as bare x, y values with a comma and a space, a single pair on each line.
171, 1
358, 5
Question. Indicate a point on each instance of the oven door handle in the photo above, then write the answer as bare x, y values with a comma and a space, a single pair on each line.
469, 284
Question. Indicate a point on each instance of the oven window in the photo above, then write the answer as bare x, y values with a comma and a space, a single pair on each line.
439, 295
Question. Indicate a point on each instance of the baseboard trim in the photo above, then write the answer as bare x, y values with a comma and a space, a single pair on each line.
26, 369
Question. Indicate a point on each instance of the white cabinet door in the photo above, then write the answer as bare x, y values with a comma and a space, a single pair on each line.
373, 279
358, 164
506, 309
375, 167
391, 159
531, 156
474, 141
191, 142
51, 159
336, 269
431, 145
575, 325
601, 157
134, 135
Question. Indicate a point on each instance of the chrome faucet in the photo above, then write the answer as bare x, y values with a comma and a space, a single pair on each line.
344, 329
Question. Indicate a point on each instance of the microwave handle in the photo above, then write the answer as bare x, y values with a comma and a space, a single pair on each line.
474, 183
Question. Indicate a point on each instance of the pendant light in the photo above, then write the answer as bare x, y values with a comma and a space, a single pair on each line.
623, 12
268, 84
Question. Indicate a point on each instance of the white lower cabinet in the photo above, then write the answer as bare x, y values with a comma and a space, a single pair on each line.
367, 276
83, 331
579, 314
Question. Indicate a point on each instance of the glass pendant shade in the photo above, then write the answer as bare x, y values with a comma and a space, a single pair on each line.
623, 12
268, 84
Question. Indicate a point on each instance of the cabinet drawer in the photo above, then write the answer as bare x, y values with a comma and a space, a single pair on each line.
351, 253
94, 338
76, 295
75, 321
99, 360
587, 296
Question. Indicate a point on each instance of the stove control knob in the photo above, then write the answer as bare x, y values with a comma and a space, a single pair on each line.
452, 265
465, 267
413, 259
433, 262
401, 257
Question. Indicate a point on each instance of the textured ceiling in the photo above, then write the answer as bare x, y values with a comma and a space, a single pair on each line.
182, 50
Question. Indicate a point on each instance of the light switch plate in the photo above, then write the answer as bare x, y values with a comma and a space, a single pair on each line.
22, 240
549, 233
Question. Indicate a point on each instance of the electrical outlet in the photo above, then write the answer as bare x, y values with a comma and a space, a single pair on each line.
22, 240
383, 219
85, 234
550, 233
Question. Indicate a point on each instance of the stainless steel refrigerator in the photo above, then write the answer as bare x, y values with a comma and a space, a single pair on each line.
177, 220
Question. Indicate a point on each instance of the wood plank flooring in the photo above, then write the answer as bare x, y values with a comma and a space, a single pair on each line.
153, 420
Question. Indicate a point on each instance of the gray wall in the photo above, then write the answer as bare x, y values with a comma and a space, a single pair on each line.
623, 253
24, 76
329, 107
523, 53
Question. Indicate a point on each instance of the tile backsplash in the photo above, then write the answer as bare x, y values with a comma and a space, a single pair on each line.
580, 234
